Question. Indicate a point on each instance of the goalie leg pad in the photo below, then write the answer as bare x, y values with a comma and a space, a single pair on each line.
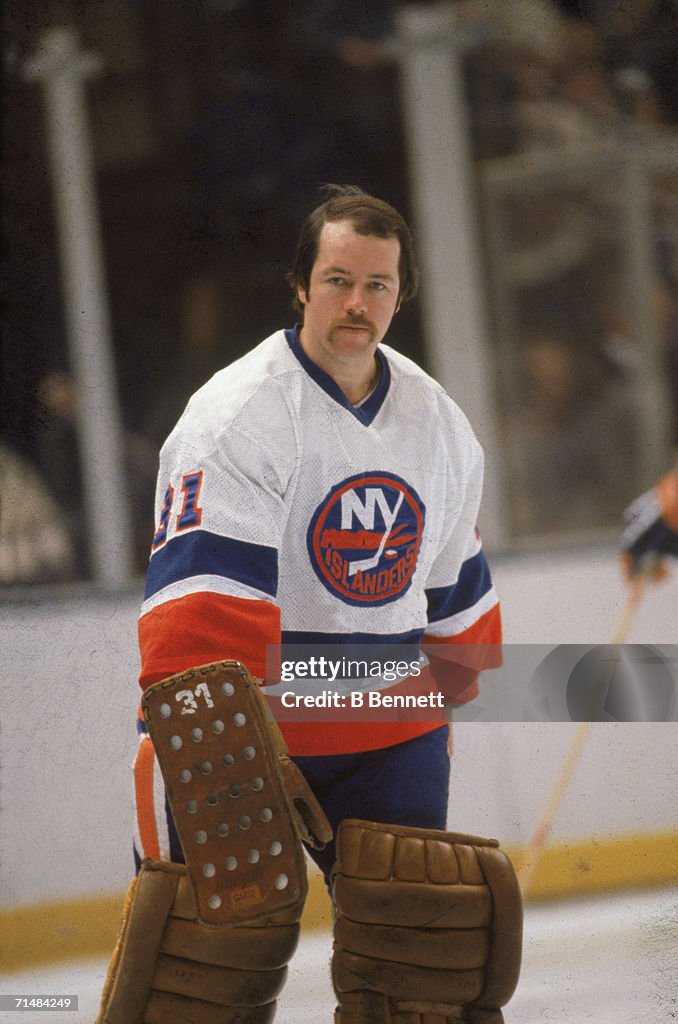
428, 926
171, 968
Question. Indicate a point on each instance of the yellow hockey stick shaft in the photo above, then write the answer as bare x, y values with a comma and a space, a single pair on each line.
536, 845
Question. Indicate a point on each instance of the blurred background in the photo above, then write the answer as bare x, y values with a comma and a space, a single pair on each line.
158, 158
533, 146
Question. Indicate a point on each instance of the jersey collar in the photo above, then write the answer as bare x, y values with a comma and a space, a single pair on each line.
367, 410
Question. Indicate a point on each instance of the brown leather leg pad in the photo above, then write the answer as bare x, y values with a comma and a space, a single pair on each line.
171, 968
428, 926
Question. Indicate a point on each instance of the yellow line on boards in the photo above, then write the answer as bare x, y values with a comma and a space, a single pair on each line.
87, 927
601, 865
43, 933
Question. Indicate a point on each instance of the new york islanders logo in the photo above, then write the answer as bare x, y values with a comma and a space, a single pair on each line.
364, 538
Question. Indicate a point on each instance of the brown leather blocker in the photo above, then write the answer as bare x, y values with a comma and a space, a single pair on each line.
428, 926
171, 968
239, 804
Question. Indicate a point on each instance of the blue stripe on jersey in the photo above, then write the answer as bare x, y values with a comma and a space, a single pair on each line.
201, 553
291, 636
365, 412
473, 583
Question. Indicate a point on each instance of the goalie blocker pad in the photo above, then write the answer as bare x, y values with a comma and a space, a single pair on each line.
240, 805
428, 926
170, 968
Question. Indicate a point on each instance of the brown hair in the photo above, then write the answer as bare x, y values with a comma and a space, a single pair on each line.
369, 216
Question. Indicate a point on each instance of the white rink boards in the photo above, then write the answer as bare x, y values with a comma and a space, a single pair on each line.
68, 735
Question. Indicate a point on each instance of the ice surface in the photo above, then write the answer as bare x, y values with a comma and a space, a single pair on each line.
608, 960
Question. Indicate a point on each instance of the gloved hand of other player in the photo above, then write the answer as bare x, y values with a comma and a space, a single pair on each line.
650, 537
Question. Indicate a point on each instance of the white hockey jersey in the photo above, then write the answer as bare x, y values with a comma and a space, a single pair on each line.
283, 512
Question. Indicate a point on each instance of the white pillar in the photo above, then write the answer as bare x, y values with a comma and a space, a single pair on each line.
63, 70
428, 48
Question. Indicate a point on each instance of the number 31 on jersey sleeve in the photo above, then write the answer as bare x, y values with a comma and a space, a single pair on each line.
190, 513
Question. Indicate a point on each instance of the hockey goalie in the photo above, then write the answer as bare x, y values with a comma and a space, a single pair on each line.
321, 490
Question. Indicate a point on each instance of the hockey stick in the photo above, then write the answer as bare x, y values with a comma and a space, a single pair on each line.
534, 850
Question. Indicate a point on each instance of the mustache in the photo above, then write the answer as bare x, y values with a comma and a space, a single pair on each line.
355, 321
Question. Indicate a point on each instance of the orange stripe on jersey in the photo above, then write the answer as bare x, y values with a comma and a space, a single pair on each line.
145, 809
486, 631
200, 628
456, 661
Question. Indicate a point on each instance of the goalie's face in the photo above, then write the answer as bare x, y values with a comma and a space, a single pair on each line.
351, 299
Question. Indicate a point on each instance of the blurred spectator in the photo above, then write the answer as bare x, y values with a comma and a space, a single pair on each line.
640, 44
529, 52
201, 349
35, 545
552, 94
668, 264
242, 142
355, 117
141, 460
574, 69
573, 439
672, 370
59, 458
622, 349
